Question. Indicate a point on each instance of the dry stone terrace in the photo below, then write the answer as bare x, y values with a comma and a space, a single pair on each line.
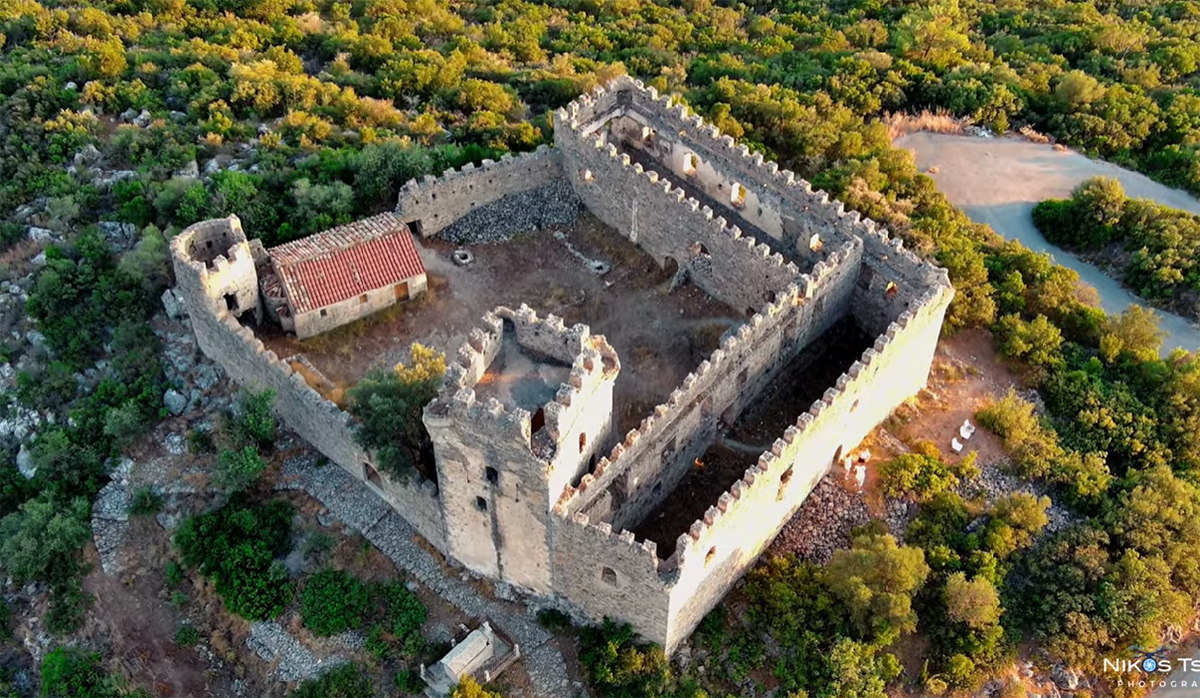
663, 355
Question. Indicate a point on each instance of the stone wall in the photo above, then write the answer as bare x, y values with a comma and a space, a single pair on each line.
438, 202
659, 218
605, 574
333, 316
720, 547
320, 422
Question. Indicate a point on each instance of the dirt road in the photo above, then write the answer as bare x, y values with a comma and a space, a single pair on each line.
999, 180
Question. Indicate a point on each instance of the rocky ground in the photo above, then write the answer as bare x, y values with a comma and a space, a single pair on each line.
536, 209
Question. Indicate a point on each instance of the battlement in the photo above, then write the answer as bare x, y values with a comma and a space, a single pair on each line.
592, 362
839, 400
212, 247
627, 96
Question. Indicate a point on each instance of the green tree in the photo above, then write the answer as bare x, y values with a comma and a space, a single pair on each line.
1135, 333
37, 541
389, 405
238, 471
974, 603
858, 672
876, 579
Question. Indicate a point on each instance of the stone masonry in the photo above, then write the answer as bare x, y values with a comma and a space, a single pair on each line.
542, 497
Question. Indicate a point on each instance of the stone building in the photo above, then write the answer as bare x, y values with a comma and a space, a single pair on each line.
330, 279
534, 487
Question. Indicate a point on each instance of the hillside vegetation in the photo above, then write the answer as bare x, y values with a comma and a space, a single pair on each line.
297, 115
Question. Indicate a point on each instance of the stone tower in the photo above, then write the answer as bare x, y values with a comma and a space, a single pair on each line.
215, 264
525, 411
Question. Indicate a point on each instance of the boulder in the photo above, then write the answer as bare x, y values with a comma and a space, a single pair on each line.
212, 167
120, 235
25, 462
40, 234
189, 171
143, 119
175, 401
1065, 678
173, 304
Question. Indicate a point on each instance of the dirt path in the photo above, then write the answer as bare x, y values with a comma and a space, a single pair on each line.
998, 181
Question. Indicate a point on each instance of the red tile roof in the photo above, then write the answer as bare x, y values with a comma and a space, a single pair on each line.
346, 261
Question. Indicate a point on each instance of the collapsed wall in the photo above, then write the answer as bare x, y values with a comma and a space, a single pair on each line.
438, 203
203, 286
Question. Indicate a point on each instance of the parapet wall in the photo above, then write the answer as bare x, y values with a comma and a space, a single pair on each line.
603, 573
438, 202
323, 424
721, 546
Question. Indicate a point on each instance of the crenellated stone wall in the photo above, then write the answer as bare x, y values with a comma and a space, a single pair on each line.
734, 531
222, 338
437, 202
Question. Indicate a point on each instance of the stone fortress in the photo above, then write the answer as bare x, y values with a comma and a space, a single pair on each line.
534, 487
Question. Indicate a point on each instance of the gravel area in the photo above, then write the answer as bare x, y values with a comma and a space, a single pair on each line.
350, 501
536, 209
292, 660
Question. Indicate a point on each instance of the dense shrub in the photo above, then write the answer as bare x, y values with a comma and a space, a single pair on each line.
332, 602
72, 672
621, 667
236, 546
923, 473
239, 470
345, 681
389, 404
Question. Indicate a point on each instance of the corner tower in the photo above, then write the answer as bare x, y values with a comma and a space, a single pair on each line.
216, 265
525, 411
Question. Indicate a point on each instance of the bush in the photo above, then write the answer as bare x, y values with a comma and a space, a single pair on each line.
200, 441
619, 666
238, 471
332, 602
186, 636
174, 573
403, 614
470, 688
922, 474
345, 681
72, 672
255, 423
145, 502
235, 546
